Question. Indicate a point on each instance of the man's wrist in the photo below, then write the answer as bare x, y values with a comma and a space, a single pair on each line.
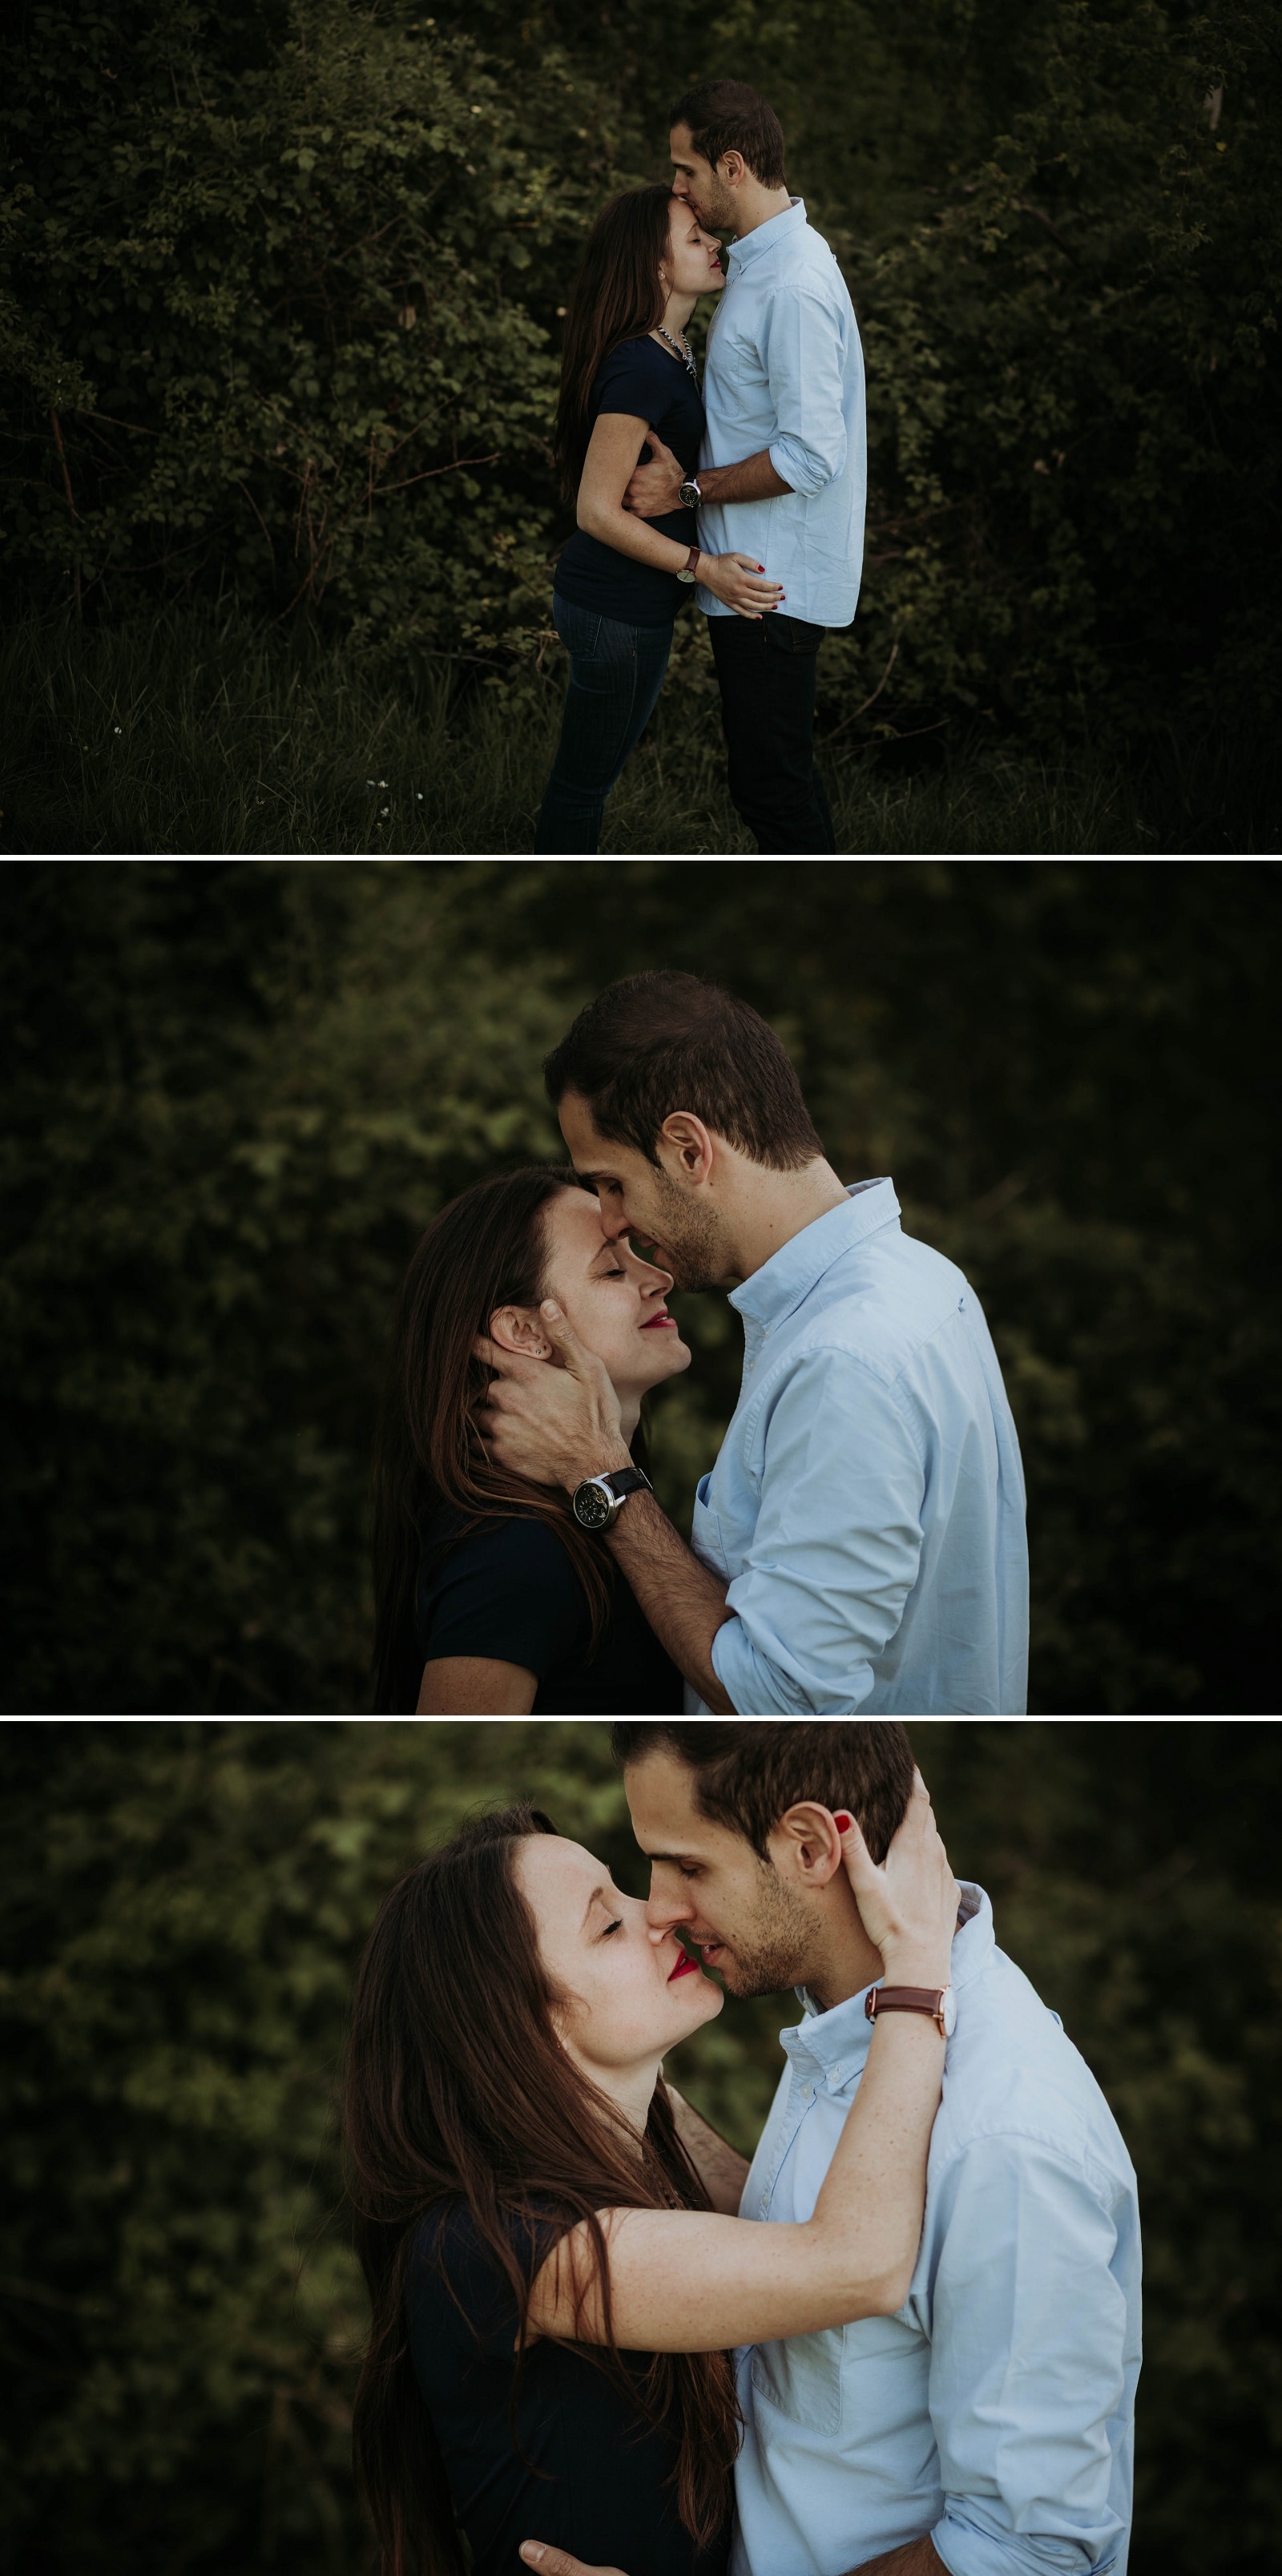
608, 1455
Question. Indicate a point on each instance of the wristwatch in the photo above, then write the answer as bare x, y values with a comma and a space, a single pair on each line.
939, 2001
690, 495
598, 1501
690, 568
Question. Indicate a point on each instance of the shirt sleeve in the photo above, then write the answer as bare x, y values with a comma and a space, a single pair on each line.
803, 357
626, 383
1029, 2362
836, 1548
508, 1591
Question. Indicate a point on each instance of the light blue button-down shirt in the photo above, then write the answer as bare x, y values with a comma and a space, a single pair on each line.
995, 2410
785, 371
868, 1501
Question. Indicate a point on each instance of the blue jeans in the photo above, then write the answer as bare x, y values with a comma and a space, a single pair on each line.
616, 673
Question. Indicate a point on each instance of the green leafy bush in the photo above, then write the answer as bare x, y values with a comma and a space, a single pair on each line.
275, 275
265, 322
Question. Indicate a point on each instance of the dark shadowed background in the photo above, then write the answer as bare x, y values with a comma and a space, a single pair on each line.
181, 1907
235, 1093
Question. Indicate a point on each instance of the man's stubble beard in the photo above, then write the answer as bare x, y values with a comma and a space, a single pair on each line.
774, 1953
692, 1238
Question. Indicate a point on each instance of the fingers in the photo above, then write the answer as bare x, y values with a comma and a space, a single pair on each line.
509, 1363
558, 2562
563, 1338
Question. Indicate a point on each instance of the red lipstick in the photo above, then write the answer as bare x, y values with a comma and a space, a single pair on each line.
685, 1967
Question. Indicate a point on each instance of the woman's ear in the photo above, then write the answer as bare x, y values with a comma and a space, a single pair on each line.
515, 1329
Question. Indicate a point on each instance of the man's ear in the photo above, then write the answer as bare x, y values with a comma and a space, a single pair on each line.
690, 1145
805, 1845
515, 1328
732, 167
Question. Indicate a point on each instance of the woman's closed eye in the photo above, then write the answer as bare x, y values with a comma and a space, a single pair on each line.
616, 1926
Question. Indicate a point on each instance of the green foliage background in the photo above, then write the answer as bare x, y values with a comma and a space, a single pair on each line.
180, 1912
234, 1095
279, 299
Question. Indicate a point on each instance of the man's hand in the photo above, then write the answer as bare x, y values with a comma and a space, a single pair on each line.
554, 1425
655, 488
558, 2562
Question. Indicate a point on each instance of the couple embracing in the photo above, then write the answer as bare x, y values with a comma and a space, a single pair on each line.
749, 496
904, 2341
859, 1543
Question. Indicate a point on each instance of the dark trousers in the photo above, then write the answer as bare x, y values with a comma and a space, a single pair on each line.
766, 668
616, 673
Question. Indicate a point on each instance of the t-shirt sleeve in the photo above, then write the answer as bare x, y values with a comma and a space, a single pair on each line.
628, 382
457, 2288
508, 1592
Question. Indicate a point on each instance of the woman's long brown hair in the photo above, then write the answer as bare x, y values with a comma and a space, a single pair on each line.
458, 2092
486, 1249
617, 295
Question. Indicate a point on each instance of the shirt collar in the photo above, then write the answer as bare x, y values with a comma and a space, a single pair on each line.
782, 1282
741, 252
834, 2044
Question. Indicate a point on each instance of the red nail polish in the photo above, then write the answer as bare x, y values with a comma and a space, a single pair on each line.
843, 1822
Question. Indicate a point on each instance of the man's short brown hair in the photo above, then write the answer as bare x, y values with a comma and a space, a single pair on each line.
657, 1043
748, 1776
731, 116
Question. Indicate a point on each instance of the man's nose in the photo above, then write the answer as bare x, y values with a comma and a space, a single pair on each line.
663, 1912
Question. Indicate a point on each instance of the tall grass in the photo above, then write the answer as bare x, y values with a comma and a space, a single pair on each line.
197, 734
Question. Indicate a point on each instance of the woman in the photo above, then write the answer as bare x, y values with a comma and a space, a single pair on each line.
553, 2294
490, 1598
627, 369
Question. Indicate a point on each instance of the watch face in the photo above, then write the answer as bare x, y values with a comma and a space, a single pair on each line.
950, 2012
592, 1509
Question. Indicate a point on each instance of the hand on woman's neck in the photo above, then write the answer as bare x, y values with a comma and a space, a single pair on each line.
629, 1412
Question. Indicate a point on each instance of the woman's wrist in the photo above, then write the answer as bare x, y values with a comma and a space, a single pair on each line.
910, 1963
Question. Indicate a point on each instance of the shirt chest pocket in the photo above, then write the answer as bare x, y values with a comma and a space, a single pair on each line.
802, 2378
705, 1533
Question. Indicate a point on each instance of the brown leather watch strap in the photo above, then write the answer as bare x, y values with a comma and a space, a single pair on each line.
692, 560
918, 1999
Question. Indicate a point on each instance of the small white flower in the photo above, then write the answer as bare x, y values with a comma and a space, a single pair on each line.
383, 812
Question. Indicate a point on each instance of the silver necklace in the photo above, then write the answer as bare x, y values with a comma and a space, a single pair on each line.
682, 351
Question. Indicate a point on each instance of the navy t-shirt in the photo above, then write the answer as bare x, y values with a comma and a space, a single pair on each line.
509, 1590
586, 2472
639, 376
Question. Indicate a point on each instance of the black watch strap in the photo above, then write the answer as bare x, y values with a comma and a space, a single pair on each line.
627, 1480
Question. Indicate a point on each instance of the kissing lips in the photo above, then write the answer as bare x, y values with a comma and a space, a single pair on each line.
685, 1967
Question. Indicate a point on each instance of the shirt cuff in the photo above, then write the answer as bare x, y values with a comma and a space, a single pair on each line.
967, 2549
756, 1687
801, 469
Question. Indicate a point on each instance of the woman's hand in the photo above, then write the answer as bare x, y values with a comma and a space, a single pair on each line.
908, 1903
558, 2562
739, 582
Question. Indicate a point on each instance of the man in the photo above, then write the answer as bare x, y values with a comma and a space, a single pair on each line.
987, 2428
783, 470
860, 1541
